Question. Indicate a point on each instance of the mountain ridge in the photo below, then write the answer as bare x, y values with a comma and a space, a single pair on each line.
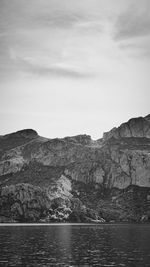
75, 172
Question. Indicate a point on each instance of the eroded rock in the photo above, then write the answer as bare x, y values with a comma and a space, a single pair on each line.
38, 173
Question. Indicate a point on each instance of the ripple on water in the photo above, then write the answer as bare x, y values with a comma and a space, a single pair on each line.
69, 245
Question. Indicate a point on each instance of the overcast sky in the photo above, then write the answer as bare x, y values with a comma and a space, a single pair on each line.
73, 66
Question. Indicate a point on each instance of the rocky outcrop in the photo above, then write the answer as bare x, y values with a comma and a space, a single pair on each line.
130, 167
28, 203
16, 139
64, 169
24, 134
23, 202
136, 127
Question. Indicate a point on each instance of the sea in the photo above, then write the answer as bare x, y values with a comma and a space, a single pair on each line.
75, 245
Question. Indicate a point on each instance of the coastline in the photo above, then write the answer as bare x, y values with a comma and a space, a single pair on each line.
73, 224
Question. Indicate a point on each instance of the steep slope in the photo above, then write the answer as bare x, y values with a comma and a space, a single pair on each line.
136, 127
80, 179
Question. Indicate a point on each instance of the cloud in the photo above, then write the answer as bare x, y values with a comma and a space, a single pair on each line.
56, 20
139, 47
47, 13
49, 30
134, 21
53, 70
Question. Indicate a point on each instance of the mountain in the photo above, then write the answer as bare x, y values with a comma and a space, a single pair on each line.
77, 179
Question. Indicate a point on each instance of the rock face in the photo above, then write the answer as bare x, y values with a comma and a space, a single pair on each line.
136, 127
76, 178
24, 202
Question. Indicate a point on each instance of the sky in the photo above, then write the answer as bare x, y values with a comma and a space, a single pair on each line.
71, 67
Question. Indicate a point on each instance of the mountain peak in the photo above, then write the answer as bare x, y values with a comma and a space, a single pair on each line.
27, 133
76, 179
135, 127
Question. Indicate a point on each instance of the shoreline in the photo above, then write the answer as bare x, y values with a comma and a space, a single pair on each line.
72, 224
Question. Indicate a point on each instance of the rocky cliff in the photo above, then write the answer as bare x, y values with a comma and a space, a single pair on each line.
76, 178
136, 127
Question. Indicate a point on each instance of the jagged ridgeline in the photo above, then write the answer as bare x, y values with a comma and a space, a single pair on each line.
76, 179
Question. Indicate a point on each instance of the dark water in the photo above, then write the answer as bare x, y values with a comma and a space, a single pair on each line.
75, 245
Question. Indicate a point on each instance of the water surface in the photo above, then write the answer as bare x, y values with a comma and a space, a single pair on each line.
75, 245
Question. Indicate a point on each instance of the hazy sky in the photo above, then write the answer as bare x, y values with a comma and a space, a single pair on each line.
73, 66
